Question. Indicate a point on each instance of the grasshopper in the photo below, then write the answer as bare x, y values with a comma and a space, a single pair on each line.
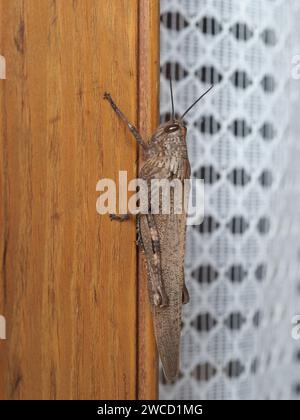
162, 236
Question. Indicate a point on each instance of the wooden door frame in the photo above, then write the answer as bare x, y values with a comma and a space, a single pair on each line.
148, 117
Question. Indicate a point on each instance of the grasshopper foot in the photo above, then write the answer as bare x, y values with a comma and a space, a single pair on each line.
107, 96
120, 218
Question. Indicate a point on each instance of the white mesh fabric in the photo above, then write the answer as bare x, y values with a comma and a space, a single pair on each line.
242, 263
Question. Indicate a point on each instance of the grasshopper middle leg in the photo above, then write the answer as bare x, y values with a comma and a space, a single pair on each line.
119, 218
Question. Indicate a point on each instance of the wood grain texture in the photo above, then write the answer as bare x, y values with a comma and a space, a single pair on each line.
148, 120
68, 283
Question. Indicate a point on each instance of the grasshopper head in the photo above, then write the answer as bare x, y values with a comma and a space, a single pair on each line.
175, 127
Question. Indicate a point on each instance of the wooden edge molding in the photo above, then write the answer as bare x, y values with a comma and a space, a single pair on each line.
148, 118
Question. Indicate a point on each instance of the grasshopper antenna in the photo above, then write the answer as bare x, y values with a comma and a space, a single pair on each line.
190, 107
172, 99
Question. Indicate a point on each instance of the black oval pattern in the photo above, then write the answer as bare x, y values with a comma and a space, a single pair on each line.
267, 131
240, 79
261, 272
266, 178
238, 225
239, 177
174, 70
235, 321
241, 31
209, 26
257, 319
268, 83
263, 225
208, 74
167, 116
204, 371
174, 21
269, 37
205, 274
207, 124
208, 174
209, 225
297, 389
234, 369
204, 322
240, 128
254, 365
236, 273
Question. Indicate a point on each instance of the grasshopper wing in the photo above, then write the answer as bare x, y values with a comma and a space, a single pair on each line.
167, 320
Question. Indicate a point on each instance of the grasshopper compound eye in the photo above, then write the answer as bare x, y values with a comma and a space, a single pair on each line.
172, 128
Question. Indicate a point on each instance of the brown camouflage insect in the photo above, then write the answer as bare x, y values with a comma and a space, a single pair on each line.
162, 236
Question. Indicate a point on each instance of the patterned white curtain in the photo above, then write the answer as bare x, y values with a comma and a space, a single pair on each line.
243, 262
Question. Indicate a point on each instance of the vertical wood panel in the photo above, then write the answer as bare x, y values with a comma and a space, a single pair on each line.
148, 121
3, 232
68, 275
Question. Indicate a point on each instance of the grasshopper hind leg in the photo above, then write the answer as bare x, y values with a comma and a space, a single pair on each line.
160, 297
151, 246
139, 238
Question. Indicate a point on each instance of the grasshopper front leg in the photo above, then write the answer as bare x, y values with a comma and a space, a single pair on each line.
120, 114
